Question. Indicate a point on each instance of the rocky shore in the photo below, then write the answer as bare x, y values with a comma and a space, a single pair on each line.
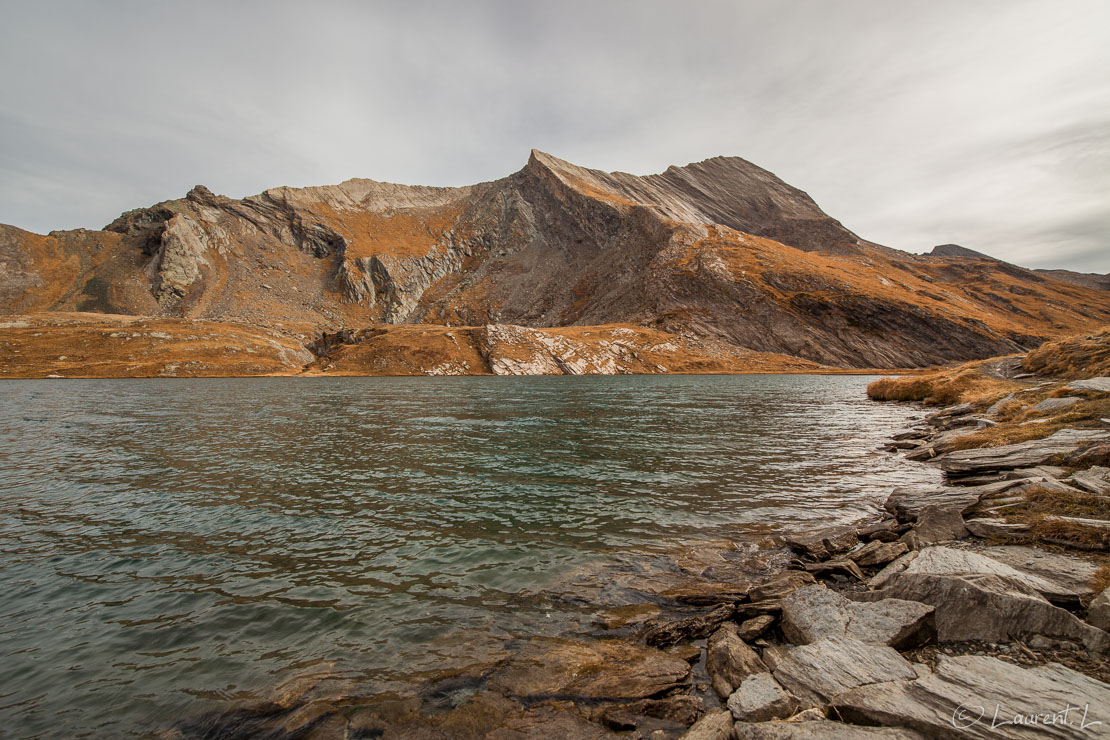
978, 608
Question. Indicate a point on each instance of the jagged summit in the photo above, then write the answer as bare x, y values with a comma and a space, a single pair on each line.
719, 250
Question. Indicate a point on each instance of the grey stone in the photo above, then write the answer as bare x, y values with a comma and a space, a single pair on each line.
940, 560
1094, 480
906, 503
816, 672
1098, 613
996, 529
939, 524
992, 608
1020, 455
821, 729
729, 660
843, 566
713, 726
976, 696
760, 698
1052, 404
1098, 385
815, 612
1069, 576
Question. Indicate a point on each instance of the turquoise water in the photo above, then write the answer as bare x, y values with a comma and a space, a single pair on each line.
167, 546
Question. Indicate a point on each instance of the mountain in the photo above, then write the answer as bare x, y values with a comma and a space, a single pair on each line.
721, 254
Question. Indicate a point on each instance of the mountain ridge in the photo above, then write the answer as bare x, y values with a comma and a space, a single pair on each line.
720, 250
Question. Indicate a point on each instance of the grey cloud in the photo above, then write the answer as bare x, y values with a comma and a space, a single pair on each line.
914, 123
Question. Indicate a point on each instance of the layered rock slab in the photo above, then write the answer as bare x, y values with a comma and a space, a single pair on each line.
983, 697
815, 612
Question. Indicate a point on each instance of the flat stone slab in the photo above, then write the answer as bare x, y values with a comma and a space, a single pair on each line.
823, 729
1098, 613
990, 528
815, 612
602, 669
992, 608
977, 696
907, 503
1094, 480
940, 560
760, 698
1069, 575
1097, 385
1052, 404
815, 673
1022, 455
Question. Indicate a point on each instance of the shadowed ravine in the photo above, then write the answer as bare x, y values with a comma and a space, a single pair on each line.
169, 545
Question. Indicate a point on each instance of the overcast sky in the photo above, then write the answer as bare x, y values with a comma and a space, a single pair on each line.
915, 123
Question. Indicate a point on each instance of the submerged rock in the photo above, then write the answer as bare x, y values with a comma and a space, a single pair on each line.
602, 669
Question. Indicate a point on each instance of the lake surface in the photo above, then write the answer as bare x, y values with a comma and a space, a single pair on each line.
167, 546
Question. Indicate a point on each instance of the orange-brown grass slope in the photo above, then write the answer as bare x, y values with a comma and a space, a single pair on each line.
1083, 356
82, 345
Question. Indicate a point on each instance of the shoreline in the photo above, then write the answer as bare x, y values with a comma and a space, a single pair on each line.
876, 623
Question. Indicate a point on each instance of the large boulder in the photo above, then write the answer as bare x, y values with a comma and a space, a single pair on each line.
729, 660
941, 560
1094, 385
993, 608
977, 696
601, 669
815, 673
815, 612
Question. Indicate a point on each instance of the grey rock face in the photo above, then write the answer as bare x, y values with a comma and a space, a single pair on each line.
760, 698
1046, 581
908, 503
991, 608
1054, 404
817, 672
979, 697
729, 660
815, 612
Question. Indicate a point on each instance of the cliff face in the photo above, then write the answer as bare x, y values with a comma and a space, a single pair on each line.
719, 251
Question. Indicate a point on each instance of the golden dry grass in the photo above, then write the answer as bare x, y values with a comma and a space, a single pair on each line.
1042, 503
1084, 414
1081, 356
963, 384
1100, 581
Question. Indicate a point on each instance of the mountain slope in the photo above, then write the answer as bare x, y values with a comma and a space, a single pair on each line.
720, 250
